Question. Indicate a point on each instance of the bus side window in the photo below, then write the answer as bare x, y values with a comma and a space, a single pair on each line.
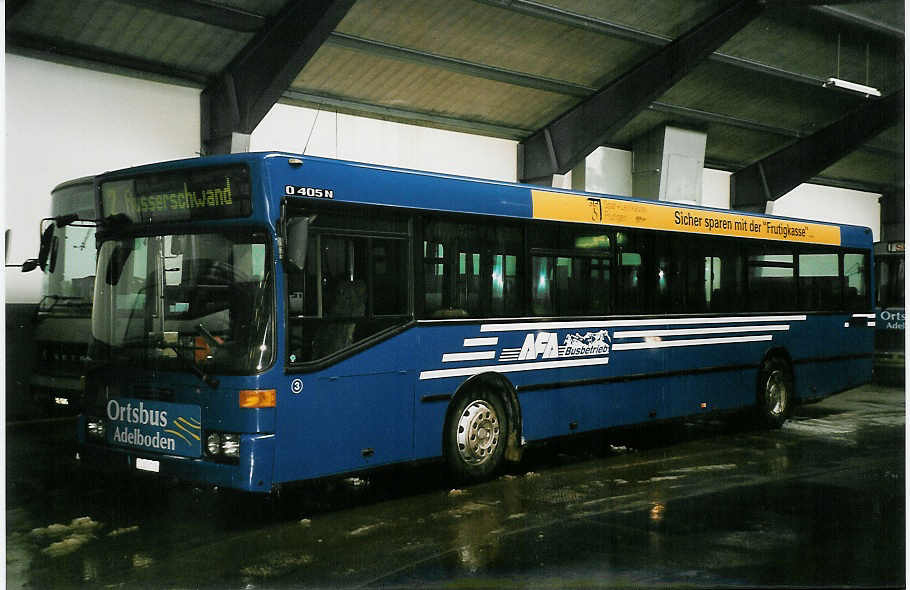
434, 276
855, 281
714, 279
470, 270
541, 286
669, 294
635, 282
353, 286
772, 279
819, 282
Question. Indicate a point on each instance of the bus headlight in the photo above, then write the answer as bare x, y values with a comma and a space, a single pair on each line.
213, 444
230, 446
223, 446
94, 428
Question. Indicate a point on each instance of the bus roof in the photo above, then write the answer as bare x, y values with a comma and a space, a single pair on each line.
314, 177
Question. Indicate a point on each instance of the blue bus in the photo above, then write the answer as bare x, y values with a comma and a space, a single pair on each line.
267, 318
891, 313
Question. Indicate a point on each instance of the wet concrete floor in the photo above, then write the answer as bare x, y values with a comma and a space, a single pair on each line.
820, 502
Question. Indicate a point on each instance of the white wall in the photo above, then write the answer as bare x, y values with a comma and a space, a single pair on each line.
375, 141
825, 203
65, 122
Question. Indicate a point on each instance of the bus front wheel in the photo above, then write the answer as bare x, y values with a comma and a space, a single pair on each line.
476, 433
775, 392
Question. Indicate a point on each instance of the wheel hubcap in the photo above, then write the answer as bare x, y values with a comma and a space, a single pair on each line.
776, 393
478, 433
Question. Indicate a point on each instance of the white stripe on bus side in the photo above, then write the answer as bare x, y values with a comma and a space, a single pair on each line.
453, 357
698, 331
465, 371
695, 342
532, 326
481, 341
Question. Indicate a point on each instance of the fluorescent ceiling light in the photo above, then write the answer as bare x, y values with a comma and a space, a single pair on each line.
852, 87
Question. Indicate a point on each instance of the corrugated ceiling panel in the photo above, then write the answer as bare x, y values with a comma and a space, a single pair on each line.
669, 18
260, 7
494, 36
802, 41
743, 146
890, 139
890, 12
123, 29
868, 167
727, 90
343, 73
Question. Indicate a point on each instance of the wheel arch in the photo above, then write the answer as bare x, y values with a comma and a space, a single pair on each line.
497, 383
783, 354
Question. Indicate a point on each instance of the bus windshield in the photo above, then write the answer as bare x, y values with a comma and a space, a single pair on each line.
198, 301
69, 281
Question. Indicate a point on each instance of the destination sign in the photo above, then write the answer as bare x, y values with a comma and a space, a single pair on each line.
180, 195
566, 207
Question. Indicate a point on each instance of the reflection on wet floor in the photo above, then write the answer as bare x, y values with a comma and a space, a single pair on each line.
705, 503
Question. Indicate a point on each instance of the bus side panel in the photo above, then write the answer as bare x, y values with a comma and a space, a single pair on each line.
352, 415
832, 353
712, 377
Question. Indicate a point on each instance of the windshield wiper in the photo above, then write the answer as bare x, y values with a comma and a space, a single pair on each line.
162, 345
205, 377
55, 299
209, 337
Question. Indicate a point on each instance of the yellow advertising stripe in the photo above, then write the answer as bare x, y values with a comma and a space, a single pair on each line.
175, 433
189, 422
564, 207
180, 425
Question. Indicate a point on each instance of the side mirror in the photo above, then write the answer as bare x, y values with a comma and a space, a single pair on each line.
298, 230
47, 239
6, 246
29, 265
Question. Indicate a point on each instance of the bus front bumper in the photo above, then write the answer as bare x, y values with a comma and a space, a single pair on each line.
252, 473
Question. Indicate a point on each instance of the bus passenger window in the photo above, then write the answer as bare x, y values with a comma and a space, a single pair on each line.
467, 282
352, 286
470, 270
819, 282
855, 279
541, 291
772, 281
669, 293
505, 296
634, 282
433, 276
713, 276
390, 291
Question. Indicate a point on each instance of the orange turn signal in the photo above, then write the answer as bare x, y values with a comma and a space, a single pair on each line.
257, 398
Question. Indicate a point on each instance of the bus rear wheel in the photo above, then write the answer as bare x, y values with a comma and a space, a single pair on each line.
476, 435
775, 392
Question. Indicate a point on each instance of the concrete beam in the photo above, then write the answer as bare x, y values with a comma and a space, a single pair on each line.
777, 174
241, 95
564, 142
